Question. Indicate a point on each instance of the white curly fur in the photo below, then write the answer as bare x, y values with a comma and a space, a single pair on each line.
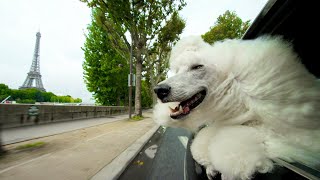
261, 104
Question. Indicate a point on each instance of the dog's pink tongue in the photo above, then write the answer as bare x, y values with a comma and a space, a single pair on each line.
186, 110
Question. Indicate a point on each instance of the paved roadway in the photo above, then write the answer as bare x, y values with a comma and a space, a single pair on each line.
13, 135
75, 155
165, 156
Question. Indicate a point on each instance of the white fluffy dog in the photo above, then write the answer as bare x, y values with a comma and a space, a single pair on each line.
258, 101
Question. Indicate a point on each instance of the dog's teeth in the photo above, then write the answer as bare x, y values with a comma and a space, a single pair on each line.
180, 109
172, 110
198, 96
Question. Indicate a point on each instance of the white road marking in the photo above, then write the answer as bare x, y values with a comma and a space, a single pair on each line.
31, 160
99, 136
183, 140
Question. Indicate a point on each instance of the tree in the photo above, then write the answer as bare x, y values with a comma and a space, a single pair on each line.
30, 96
78, 100
228, 26
4, 91
142, 20
146, 96
47, 96
157, 64
39, 97
54, 99
105, 71
23, 94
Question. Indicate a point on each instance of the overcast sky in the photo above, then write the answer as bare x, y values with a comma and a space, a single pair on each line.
62, 24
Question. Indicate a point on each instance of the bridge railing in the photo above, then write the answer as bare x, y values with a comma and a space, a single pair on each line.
15, 115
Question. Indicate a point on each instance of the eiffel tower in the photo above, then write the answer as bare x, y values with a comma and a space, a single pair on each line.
34, 73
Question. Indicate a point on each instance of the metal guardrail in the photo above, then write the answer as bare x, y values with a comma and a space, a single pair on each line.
5, 100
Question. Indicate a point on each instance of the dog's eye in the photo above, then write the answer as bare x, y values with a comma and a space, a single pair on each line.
199, 66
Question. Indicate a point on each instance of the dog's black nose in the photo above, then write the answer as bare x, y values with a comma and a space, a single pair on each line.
162, 90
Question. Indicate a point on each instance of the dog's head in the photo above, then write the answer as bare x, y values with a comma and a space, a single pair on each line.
183, 97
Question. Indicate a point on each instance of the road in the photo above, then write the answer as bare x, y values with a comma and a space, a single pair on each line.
84, 153
165, 156
19, 134
77, 154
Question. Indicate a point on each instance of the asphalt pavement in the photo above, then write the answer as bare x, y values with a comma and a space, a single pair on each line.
106, 148
78, 154
165, 156
19, 134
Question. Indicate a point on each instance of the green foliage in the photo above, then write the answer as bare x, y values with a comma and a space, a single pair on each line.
105, 71
157, 64
24, 94
4, 91
78, 100
30, 96
228, 26
26, 101
171, 31
137, 118
39, 97
64, 99
47, 96
31, 145
143, 20
146, 96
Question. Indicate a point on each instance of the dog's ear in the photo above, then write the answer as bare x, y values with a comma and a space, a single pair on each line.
190, 43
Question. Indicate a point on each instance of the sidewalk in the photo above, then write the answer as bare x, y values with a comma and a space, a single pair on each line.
77, 155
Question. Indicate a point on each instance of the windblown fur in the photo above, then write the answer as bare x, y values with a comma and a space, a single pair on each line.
261, 104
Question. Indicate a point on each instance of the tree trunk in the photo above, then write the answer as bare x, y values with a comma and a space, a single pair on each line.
118, 100
137, 103
125, 102
154, 98
153, 84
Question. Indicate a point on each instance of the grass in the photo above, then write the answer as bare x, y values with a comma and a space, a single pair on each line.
30, 145
137, 118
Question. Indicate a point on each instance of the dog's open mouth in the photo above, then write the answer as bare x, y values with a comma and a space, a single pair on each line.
186, 106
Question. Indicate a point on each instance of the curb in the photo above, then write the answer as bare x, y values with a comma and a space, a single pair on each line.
114, 169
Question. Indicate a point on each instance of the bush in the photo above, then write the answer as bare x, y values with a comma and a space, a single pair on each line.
26, 101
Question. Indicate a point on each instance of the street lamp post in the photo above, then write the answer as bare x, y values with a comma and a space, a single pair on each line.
130, 82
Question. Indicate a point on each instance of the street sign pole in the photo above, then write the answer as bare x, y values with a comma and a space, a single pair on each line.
130, 82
